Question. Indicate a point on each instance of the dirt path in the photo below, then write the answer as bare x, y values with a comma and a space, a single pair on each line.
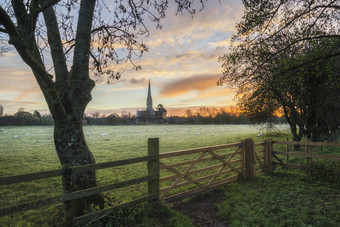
201, 209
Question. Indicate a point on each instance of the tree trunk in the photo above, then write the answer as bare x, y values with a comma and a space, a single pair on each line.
71, 146
296, 136
315, 134
68, 94
72, 150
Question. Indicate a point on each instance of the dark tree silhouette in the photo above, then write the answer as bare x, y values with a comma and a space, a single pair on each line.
160, 113
37, 114
285, 58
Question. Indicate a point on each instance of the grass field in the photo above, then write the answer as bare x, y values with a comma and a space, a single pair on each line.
31, 149
285, 198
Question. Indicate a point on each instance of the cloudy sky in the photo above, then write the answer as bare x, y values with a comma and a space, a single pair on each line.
182, 64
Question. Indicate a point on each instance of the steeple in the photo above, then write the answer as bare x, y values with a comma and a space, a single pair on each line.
149, 100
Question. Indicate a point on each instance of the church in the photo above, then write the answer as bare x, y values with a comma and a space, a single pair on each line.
147, 115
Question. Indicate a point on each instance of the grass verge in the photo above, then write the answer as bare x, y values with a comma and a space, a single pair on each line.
284, 198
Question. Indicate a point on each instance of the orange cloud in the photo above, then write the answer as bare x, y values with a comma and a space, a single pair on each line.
222, 92
192, 83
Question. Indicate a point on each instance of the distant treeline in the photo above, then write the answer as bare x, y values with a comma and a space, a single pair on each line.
202, 115
206, 115
112, 119
220, 118
23, 117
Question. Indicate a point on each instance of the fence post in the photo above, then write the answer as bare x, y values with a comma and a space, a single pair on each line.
287, 150
69, 212
268, 155
308, 149
242, 150
153, 165
249, 159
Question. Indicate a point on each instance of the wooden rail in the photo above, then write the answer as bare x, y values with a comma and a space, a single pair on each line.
309, 143
220, 167
73, 195
152, 179
308, 155
198, 150
74, 169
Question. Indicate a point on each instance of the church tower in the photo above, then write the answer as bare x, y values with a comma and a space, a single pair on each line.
148, 115
149, 100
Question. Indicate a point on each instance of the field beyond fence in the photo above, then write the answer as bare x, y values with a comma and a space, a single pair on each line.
180, 174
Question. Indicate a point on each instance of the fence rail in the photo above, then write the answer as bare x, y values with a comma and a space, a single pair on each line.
329, 157
152, 179
308, 155
198, 150
207, 167
74, 169
183, 171
309, 143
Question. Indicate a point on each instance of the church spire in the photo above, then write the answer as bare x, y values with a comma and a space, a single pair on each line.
149, 99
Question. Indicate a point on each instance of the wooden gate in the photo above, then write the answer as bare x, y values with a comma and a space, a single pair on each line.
203, 169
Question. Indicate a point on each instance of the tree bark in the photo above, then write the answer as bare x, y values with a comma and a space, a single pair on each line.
296, 135
72, 150
71, 146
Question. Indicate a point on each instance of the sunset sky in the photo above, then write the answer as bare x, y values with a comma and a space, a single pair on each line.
182, 64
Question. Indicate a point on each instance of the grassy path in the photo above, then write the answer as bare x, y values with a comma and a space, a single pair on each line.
202, 209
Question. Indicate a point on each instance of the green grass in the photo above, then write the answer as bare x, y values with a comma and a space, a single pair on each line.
31, 149
288, 197
284, 198
35, 152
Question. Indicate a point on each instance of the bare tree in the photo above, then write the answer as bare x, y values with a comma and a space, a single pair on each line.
78, 36
1, 110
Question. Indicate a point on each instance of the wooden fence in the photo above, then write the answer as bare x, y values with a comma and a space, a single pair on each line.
184, 173
208, 167
307, 153
152, 178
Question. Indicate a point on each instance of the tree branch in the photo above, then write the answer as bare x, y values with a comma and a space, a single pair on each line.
54, 40
3, 30
272, 17
43, 78
80, 67
46, 5
292, 44
69, 49
26, 25
309, 62
16, 40
294, 19
20, 12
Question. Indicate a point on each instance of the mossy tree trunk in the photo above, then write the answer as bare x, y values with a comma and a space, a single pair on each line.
67, 93
72, 149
